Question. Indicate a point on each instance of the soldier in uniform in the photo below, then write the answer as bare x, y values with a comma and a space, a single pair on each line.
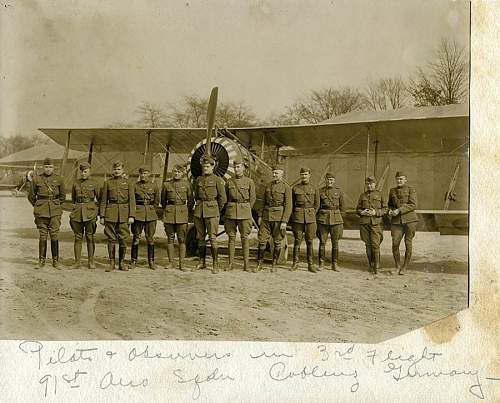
274, 216
46, 194
85, 195
241, 198
329, 219
305, 198
147, 198
210, 196
117, 211
176, 200
402, 205
371, 207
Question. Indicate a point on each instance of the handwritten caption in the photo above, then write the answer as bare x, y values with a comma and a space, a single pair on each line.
61, 368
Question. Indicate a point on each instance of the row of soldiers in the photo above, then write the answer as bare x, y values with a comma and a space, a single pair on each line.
122, 205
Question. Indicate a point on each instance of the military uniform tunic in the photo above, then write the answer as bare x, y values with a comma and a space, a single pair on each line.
176, 200
241, 198
370, 228
277, 209
85, 195
404, 224
117, 205
147, 198
329, 217
210, 196
46, 194
305, 206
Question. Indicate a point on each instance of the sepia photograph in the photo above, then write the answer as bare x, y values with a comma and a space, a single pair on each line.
233, 171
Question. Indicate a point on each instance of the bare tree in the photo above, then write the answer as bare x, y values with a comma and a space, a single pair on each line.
151, 115
19, 142
444, 80
386, 93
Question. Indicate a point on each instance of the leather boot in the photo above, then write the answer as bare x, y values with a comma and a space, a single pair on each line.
376, 261
335, 256
260, 259
408, 254
276, 256
111, 253
134, 252
122, 250
151, 256
321, 257
90, 252
42, 253
182, 254
170, 255
202, 250
370, 258
215, 260
54, 249
231, 251
77, 248
397, 257
296, 254
246, 254
310, 264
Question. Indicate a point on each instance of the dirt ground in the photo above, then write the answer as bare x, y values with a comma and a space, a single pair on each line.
349, 306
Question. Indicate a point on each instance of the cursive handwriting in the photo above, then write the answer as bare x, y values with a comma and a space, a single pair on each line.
144, 353
109, 379
198, 379
279, 372
271, 355
60, 357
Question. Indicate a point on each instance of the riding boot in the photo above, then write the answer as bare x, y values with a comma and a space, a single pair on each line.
231, 251
202, 250
122, 250
408, 254
276, 256
170, 254
296, 254
321, 256
369, 255
397, 257
182, 254
246, 253
310, 264
77, 248
90, 252
151, 256
54, 249
335, 255
376, 261
134, 252
260, 259
111, 253
42, 253
215, 260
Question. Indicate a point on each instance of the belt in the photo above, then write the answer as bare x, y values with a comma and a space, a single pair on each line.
275, 204
144, 203
115, 202
175, 203
202, 200
84, 200
329, 208
47, 197
302, 205
239, 201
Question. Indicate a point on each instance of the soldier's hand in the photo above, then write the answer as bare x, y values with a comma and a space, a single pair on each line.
395, 212
102, 220
283, 226
131, 220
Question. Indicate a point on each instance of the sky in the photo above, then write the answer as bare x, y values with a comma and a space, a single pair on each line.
90, 63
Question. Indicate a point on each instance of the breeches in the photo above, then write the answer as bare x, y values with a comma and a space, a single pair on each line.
83, 227
117, 232
299, 229
208, 226
48, 225
244, 226
172, 229
398, 231
271, 229
149, 228
371, 235
335, 231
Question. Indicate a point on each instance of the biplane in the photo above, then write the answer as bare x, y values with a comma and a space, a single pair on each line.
429, 143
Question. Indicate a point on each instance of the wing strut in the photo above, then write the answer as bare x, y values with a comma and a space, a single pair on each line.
450, 194
66, 152
165, 165
367, 164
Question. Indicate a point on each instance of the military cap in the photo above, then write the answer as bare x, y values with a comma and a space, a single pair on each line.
370, 179
208, 159
84, 166
178, 167
143, 168
329, 175
400, 173
304, 170
278, 167
47, 161
117, 164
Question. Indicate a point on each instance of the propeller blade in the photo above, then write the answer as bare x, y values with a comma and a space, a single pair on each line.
212, 106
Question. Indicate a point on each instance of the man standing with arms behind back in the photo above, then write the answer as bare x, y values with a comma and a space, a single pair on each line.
85, 196
46, 194
117, 211
402, 205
